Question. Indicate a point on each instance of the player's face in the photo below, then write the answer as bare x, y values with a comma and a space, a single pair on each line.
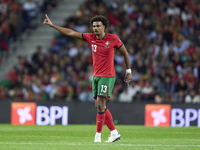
98, 28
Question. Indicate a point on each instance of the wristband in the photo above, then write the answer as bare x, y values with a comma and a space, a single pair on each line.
128, 71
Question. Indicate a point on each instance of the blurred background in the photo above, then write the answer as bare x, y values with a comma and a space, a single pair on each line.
37, 63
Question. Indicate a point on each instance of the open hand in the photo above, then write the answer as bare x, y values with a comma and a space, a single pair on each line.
47, 21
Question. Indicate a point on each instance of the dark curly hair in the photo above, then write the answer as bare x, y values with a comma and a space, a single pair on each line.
101, 18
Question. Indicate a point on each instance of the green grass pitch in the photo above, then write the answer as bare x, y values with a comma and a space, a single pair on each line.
81, 137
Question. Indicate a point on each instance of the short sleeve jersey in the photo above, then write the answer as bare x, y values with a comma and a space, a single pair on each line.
103, 53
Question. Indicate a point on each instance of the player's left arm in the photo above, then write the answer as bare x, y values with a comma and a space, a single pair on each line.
128, 75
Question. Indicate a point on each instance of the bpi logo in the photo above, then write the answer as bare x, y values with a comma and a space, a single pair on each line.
182, 118
31, 114
47, 116
157, 115
23, 113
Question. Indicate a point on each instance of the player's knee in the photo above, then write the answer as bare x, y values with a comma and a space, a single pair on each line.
100, 104
100, 107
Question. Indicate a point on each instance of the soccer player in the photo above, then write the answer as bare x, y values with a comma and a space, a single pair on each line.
103, 46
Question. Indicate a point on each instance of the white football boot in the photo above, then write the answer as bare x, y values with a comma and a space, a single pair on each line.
113, 138
97, 138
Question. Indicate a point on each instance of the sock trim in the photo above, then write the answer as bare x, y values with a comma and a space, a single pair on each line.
101, 112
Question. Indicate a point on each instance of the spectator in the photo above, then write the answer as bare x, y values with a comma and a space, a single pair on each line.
158, 99
167, 35
196, 69
35, 57
168, 86
30, 12
186, 15
138, 97
190, 79
135, 75
147, 89
125, 96
140, 66
179, 97
52, 89
156, 82
3, 7
134, 88
173, 10
181, 86
167, 98
192, 97
86, 95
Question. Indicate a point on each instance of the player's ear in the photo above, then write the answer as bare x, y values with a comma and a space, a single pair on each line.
104, 27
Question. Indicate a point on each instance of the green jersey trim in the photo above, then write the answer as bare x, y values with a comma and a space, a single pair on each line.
83, 37
103, 37
121, 46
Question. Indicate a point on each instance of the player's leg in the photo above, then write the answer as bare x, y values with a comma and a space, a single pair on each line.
108, 117
100, 105
114, 135
109, 122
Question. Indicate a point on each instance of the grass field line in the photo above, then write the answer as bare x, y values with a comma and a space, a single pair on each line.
43, 136
130, 131
163, 132
88, 144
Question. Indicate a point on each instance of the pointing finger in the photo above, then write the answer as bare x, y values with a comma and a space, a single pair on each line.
46, 16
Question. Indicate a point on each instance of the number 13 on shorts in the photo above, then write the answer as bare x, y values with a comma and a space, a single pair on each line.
104, 91
103, 86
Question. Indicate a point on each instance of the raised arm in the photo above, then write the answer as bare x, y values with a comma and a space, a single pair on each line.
128, 75
65, 31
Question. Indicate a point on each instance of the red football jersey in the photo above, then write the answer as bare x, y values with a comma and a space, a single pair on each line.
103, 53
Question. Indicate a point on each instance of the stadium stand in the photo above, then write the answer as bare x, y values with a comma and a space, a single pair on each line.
17, 16
162, 38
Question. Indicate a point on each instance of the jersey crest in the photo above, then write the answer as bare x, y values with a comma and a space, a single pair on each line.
107, 44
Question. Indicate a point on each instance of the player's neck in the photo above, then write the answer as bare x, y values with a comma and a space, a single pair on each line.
101, 36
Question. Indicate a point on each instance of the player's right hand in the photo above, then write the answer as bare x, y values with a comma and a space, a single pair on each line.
47, 21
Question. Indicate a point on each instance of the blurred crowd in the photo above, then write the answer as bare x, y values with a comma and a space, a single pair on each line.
161, 36
16, 16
